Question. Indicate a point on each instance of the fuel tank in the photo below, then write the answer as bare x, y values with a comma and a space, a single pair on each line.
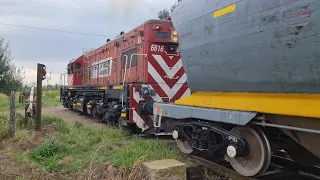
269, 46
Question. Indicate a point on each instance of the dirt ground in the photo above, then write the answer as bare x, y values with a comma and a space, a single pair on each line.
67, 115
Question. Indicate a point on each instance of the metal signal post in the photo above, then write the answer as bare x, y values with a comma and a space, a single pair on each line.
41, 75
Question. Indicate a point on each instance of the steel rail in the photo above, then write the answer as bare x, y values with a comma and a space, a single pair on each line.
219, 169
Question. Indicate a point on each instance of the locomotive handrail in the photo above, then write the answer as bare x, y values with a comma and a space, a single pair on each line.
63, 78
124, 78
130, 63
131, 60
125, 70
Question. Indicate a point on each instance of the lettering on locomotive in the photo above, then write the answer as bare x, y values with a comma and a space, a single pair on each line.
102, 68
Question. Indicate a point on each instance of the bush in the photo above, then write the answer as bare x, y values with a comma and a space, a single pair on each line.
48, 154
46, 150
21, 123
4, 127
11, 77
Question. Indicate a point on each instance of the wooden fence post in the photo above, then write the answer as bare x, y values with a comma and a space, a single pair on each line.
12, 119
41, 75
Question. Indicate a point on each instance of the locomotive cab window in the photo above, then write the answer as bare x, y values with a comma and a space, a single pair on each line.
70, 68
77, 66
162, 35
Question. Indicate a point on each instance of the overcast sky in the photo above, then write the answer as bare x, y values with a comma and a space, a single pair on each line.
56, 49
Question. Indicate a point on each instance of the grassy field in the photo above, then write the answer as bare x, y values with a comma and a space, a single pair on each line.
21, 123
74, 150
49, 98
81, 150
4, 102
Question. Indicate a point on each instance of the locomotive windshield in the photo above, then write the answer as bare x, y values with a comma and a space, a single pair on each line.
162, 35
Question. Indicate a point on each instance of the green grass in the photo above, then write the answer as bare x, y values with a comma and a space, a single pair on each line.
74, 147
5, 105
4, 101
51, 98
3, 123
21, 123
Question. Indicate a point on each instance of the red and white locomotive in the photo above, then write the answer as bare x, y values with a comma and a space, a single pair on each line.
113, 82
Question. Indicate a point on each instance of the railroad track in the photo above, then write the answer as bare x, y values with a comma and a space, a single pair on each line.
219, 171
280, 169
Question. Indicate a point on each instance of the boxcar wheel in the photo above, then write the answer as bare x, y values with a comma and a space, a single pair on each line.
258, 158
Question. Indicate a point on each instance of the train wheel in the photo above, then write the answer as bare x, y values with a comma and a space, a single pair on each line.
183, 144
258, 158
95, 114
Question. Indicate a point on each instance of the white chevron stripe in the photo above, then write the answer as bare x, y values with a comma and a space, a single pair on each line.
187, 93
136, 96
139, 121
136, 117
171, 71
169, 91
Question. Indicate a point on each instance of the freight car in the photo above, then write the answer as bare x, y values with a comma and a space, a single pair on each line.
112, 82
253, 67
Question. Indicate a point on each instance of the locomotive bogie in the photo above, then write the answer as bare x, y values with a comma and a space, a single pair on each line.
296, 136
248, 148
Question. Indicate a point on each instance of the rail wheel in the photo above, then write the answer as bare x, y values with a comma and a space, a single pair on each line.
182, 143
184, 146
95, 114
258, 158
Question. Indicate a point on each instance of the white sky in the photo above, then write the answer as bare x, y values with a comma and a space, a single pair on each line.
56, 49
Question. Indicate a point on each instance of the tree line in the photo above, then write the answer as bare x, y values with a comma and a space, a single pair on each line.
163, 14
11, 77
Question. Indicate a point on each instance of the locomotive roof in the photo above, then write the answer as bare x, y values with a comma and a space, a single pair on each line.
157, 21
151, 21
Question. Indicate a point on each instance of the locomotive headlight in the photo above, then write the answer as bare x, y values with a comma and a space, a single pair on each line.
175, 39
175, 33
157, 27
174, 36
